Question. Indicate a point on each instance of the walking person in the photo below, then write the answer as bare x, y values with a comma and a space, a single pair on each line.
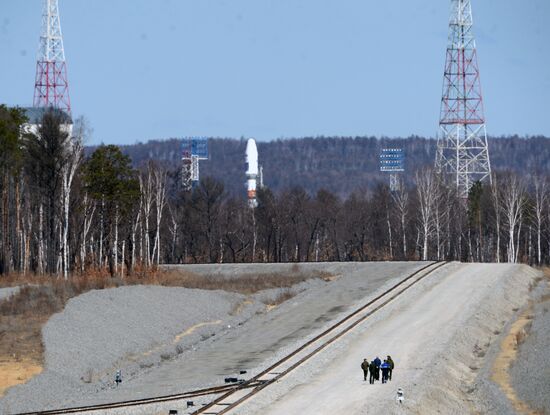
372, 370
365, 367
385, 371
377, 362
392, 365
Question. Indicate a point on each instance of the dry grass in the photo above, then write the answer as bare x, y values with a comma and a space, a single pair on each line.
522, 334
280, 298
244, 284
22, 315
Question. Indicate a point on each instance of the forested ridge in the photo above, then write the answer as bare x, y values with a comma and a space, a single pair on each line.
338, 164
70, 210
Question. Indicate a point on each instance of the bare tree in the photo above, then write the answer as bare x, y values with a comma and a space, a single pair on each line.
146, 186
496, 200
512, 204
135, 225
88, 208
427, 191
541, 199
159, 179
401, 204
73, 159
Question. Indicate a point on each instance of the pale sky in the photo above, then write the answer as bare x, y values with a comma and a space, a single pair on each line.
141, 70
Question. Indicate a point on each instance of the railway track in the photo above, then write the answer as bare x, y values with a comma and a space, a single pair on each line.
140, 402
228, 401
230, 396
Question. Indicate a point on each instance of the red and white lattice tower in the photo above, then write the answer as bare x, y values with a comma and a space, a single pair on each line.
462, 149
51, 88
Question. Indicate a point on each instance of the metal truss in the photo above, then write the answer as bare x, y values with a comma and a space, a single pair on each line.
462, 149
194, 149
51, 87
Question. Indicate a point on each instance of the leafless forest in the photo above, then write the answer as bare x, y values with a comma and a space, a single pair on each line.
64, 213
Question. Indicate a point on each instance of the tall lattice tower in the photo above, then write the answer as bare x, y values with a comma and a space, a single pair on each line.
51, 88
462, 149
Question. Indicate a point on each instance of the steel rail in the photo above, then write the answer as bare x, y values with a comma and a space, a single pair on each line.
263, 384
137, 402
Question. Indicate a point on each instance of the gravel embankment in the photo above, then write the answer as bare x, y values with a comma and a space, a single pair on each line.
99, 332
131, 328
531, 370
468, 363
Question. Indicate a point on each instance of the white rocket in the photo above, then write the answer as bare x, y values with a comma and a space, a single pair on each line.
251, 171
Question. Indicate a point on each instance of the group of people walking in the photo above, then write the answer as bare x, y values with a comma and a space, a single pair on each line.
375, 367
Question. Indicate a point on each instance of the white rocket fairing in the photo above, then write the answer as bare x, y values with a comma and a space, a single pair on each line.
251, 171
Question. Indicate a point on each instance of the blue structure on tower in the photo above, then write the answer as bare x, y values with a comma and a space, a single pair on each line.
194, 149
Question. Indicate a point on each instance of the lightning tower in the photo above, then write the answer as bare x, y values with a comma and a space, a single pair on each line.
51, 88
462, 149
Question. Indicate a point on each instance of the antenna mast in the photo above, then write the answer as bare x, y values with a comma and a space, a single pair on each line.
462, 149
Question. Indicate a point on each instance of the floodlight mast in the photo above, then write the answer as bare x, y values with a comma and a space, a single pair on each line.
392, 162
51, 88
462, 149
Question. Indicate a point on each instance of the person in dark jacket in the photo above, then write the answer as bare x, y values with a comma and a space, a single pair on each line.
392, 365
377, 362
372, 370
385, 367
365, 367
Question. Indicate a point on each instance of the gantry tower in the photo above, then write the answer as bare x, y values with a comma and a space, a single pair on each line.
194, 149
51, 88
462, 149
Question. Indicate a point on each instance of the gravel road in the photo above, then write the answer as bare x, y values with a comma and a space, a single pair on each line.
434, 333
140, 328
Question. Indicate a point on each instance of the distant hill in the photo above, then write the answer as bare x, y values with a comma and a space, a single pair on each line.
338, 164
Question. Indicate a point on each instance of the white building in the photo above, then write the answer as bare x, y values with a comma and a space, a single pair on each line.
35, 116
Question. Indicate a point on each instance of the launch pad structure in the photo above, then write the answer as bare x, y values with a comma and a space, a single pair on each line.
194, 149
